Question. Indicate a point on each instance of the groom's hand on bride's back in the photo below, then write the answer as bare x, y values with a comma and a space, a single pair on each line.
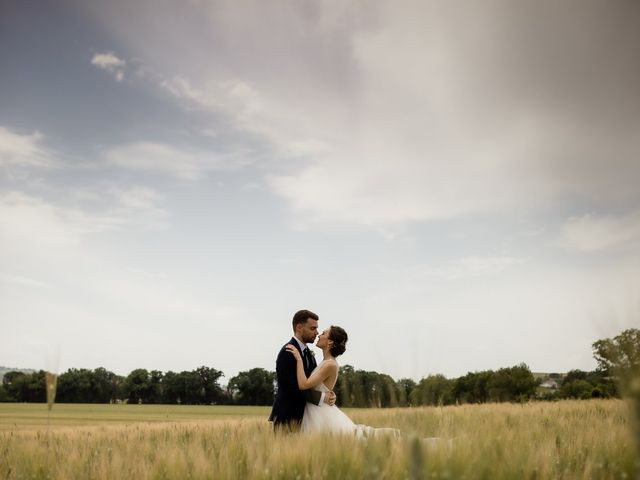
330, 398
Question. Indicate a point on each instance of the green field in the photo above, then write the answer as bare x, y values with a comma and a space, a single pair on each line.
35, 416
569, 439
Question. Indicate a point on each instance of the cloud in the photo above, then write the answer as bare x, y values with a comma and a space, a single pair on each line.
595, 233
168, 160
475, 266
136, 197
472, 268
464, 117
248, 110
110, 62
52, 226
432, 114
391, 113
181, 89
23, 281
60, 279
17, 150
138, 205
28, 219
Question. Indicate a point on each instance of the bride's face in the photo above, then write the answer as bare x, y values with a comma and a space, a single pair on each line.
323, 339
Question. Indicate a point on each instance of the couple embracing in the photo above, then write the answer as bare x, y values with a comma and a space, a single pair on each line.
305, 399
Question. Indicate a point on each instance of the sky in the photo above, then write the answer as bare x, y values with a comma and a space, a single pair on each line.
454, 183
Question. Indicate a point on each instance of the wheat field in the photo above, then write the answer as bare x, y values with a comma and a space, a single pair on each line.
569, 439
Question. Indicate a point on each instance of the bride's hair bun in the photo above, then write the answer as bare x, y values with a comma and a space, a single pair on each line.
339, 338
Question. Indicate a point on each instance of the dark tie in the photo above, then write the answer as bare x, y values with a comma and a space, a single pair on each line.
307, 360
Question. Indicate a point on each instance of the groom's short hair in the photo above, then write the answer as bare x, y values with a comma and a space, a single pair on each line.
302, 316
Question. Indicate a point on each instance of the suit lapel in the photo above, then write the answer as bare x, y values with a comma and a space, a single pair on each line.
295, 343
312, 360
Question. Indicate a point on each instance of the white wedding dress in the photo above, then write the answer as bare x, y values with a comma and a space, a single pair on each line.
329, 418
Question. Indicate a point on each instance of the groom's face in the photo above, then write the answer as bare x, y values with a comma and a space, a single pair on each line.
309, 331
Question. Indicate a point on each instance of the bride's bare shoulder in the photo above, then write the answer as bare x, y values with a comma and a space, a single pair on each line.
331, 362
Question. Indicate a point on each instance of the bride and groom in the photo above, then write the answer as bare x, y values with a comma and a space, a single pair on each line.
305, 399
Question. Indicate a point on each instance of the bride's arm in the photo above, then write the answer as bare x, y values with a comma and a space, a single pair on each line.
319, 376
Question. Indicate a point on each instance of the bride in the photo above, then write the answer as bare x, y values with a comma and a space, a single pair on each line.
326, 417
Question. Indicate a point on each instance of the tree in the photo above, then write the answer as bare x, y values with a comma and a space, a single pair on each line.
210, 390
137, 386
604, 386
25, 387
81, 385
574, 385
433, 390
576, 388
368, 383
573, 375
344, 387
405, 386
388, 391
4, 396
198, 387
192, 389
36, 390
76, 385
155, 387
372, 389
472, 388
253, 387
171, 388
620, 355
512, 384
105, 385
13, 383
359, 388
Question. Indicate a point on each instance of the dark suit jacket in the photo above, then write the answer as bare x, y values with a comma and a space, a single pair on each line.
288, 406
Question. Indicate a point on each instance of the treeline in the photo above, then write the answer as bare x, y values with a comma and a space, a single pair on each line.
197, 387
583, 385
355, 388
618, 357
618, 360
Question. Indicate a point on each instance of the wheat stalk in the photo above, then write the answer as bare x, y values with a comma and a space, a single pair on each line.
52, 381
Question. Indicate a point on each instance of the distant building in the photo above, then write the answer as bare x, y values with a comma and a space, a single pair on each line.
549, 383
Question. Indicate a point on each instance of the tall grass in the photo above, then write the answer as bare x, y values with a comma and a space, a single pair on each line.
571, 439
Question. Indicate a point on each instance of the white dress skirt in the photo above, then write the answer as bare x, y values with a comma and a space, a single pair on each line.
329, 418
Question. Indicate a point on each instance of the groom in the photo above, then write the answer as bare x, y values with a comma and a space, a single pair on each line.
288, 407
